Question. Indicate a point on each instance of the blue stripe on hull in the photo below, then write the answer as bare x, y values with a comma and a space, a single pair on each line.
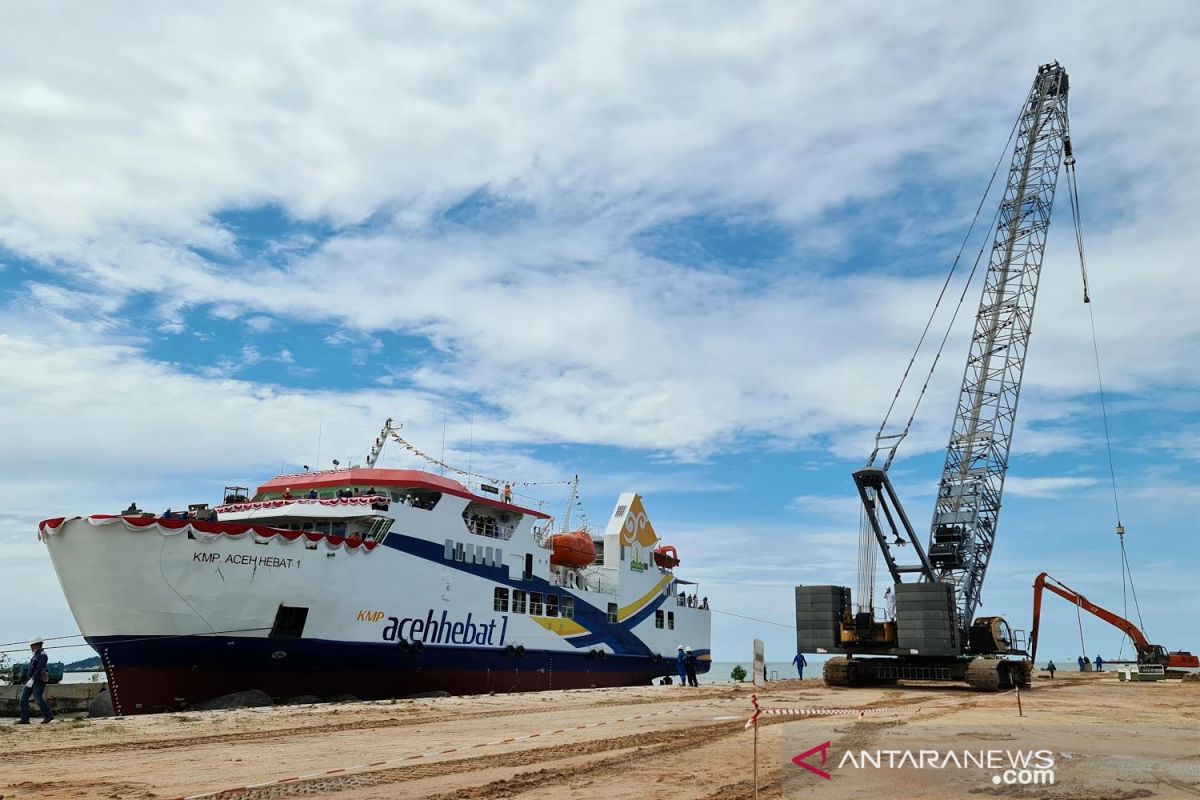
618, 636
149, 674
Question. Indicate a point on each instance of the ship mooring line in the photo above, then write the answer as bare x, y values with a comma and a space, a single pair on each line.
138, 638
752, 619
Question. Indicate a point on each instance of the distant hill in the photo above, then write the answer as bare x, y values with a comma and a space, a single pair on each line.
86, 665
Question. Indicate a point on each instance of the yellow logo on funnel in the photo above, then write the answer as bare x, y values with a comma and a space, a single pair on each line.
637, 526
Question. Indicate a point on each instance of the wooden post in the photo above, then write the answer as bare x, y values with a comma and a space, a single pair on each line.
1020, 712
754, 722
756, 761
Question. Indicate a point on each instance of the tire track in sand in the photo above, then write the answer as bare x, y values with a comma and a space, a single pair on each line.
639, 745
426, 715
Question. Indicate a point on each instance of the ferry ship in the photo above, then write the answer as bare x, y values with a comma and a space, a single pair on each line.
374, 583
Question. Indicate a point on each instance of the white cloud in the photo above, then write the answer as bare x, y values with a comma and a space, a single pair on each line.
1045, 487
700, 109
587, 125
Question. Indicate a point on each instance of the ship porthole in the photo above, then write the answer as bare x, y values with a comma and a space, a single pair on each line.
417, 645
511, 650
520, 650
278, 654
403, 645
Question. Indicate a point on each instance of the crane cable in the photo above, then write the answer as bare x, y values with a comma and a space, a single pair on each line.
933, 313
1127, 587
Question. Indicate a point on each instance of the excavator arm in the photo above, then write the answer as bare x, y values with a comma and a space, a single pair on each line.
1044, 581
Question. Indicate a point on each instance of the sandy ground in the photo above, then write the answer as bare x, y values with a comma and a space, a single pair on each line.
1111, 741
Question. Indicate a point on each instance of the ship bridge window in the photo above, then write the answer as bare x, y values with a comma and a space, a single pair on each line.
568, 607
414, 498
518, 601
500, 601
483, 520
658, 618
670, 620
535, 604
612, 612
551, 605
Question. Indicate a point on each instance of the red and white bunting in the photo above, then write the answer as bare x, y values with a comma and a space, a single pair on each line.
204, 530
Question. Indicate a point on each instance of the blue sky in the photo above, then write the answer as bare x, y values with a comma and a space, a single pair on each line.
680, 249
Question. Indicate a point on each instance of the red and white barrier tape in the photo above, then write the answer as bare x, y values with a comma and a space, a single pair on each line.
399, 760
815, 712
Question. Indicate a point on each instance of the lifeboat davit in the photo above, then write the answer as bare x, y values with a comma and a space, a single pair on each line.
666, 556
574, 549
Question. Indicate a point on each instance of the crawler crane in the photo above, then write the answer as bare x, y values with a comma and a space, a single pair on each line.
933, 633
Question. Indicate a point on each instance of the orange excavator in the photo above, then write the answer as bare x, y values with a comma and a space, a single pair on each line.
1146, 653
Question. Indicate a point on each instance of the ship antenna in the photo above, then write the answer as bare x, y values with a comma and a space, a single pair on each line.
320, 428
470, 447
443, 459
566, 523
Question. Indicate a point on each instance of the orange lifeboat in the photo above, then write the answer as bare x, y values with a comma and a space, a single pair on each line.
666, 556
574, 549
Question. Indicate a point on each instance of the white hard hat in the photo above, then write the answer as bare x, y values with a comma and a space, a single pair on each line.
680, 647
35, 640
687, 649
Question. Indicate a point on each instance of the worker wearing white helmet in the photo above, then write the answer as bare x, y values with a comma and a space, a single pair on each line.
35, 686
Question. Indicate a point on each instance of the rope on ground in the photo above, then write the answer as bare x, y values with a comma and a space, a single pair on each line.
820, 712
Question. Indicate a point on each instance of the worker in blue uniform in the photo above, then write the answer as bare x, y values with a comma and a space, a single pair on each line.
1099, 663
800, 663
35, 686
681, 666
1080, 660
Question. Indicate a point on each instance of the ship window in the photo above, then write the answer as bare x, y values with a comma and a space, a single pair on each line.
568, 607
551, 605
658, 618
612, 612
500, 601
621, 510
529, 566
448, 553
460, 552
670, 620
378, 529
518, 601
535, 604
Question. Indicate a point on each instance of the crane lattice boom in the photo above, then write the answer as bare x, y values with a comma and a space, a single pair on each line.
968, 505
